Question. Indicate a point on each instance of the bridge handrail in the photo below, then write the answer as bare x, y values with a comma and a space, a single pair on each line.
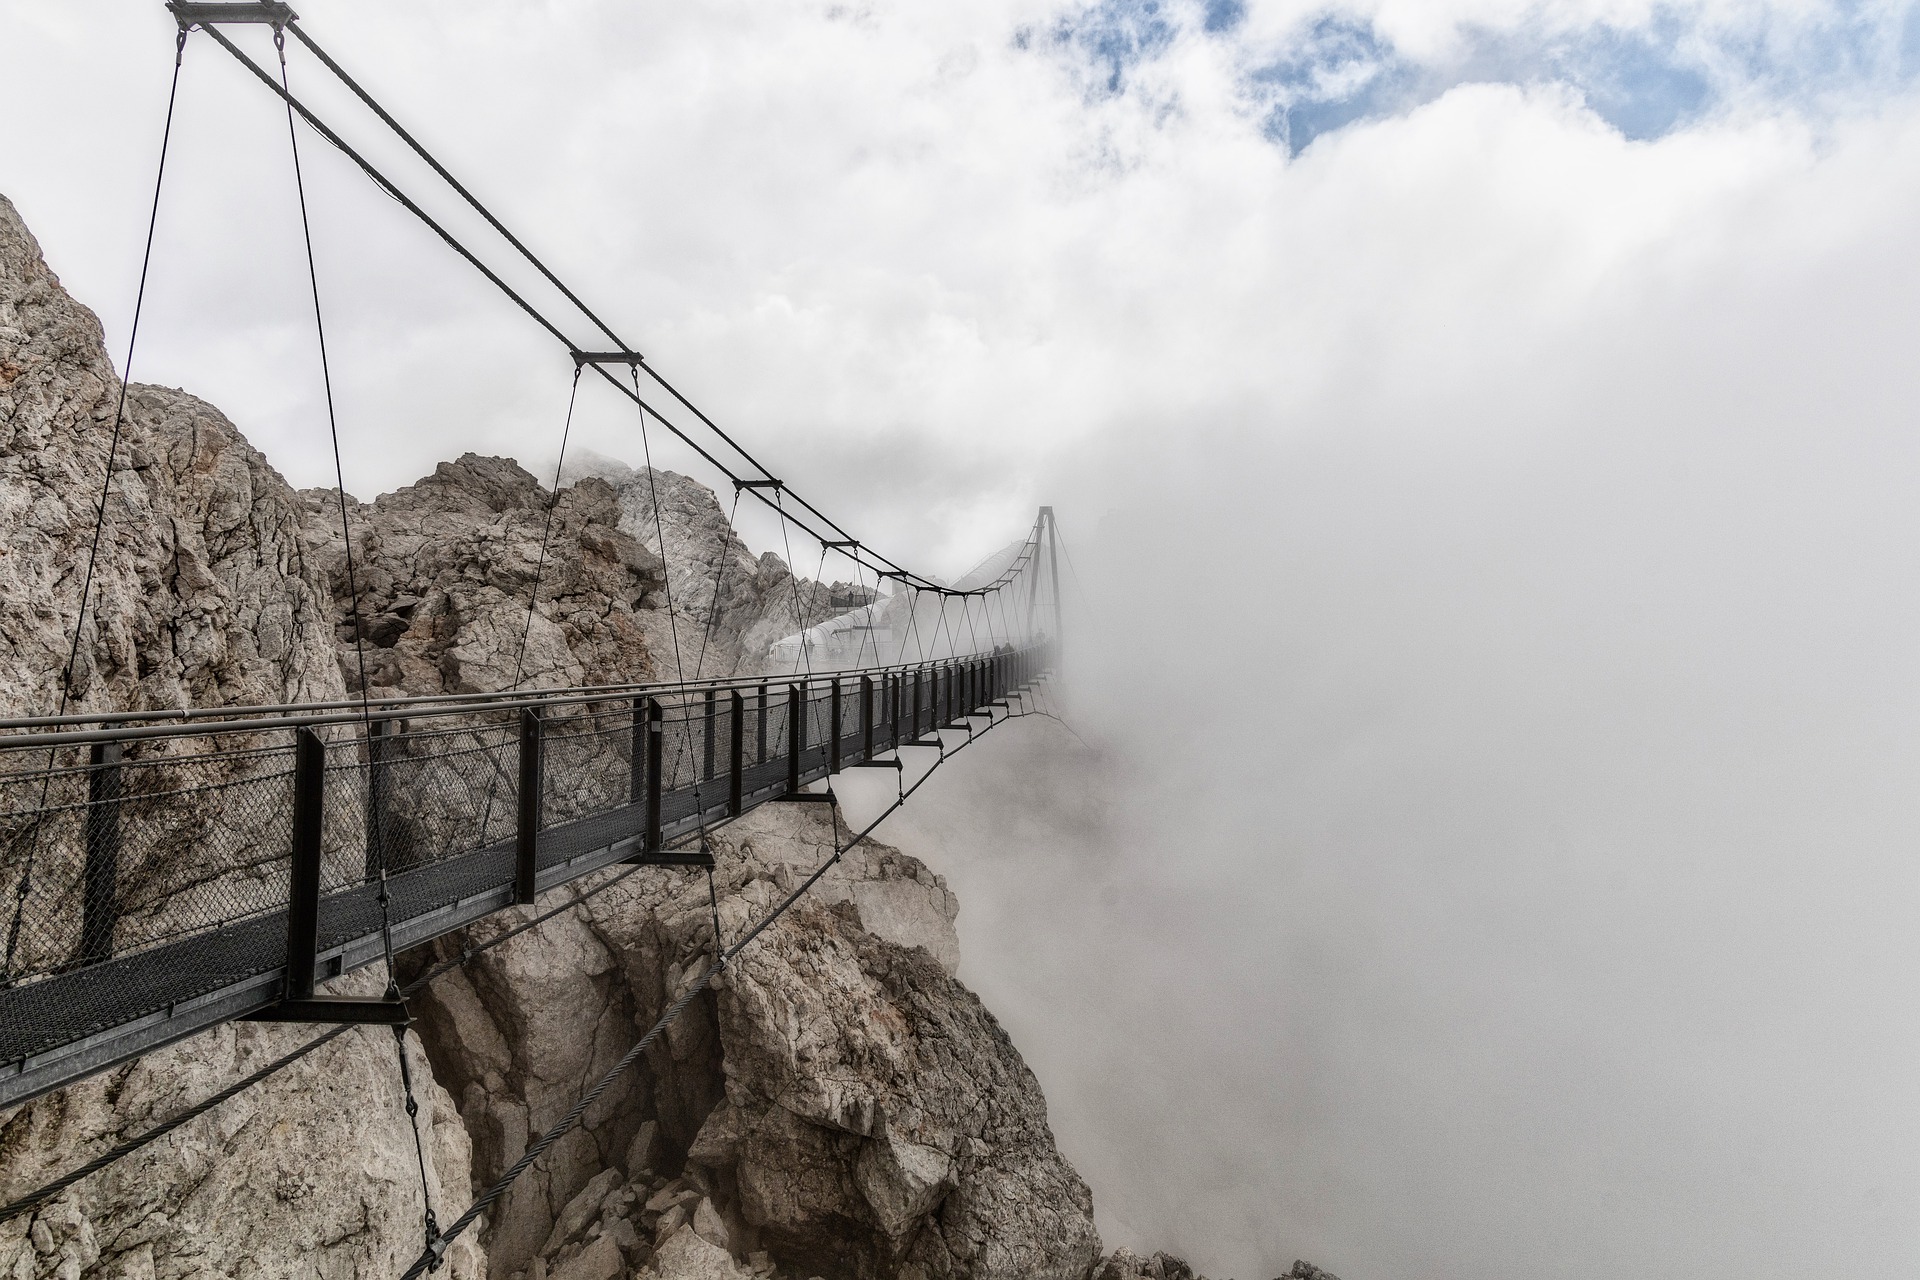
24, 732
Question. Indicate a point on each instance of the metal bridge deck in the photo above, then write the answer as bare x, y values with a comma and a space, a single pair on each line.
142, 1001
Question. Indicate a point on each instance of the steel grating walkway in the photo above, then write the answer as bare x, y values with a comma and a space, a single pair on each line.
140, 1002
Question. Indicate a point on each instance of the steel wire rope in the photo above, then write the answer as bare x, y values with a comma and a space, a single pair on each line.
699, 665
866, 634
638, 361
666, 580
431, 1226
482, 1202
533, 596
713, 610
913, 626
24, 886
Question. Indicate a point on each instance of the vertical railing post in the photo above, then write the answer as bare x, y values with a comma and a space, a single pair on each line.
712, 715
656, 731
866, 717
899, 706
913, 734
100, 903
378, 735
761, 732
833, 752
526, 840
796, 733
736, 752
637, 754
303, 897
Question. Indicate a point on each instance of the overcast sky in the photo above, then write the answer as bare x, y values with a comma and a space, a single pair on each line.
1484, 433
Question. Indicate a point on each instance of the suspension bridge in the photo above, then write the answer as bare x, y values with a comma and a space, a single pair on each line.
168, 871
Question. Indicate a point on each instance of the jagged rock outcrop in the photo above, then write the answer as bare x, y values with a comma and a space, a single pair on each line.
202, 593
731, 604
311, 1173
444, 570
1124, 1264
837, 1102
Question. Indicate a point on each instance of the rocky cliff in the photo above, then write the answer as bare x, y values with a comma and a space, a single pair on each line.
835, 1105
731, 605
443, 571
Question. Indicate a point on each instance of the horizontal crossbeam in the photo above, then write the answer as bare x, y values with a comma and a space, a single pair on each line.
206, 15
371, 1010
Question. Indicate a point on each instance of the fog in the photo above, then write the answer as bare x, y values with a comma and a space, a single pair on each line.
1481, 839
1491, 849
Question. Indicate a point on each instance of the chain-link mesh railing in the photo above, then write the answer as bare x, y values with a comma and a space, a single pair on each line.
151, 867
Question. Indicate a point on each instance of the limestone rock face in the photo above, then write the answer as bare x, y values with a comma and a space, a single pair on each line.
1125, 1264
835, 1104
310, 1173
444, 570
202, 593
730, 605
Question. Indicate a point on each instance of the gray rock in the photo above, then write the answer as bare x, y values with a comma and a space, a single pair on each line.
838, 1100
731, 605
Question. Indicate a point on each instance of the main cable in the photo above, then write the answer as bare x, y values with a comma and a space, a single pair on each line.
24, 886
638, 361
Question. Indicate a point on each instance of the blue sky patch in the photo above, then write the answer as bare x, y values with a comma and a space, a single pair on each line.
1645, 80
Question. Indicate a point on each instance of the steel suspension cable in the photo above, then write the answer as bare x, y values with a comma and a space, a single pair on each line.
431, 1227
24, 886
639, 362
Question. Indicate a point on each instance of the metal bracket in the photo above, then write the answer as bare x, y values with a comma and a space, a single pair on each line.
876, 764
607, 357
375, 1011
758, 484
805, 797
190, 14
850, 542
671, 858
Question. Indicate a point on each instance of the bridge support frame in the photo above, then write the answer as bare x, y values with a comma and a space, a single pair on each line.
656, 730
379, 738
100, 901
526, 843
637, 754
760, 749
866, 717
711, 718
833, 752
736, 752
796, 733
303, 898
